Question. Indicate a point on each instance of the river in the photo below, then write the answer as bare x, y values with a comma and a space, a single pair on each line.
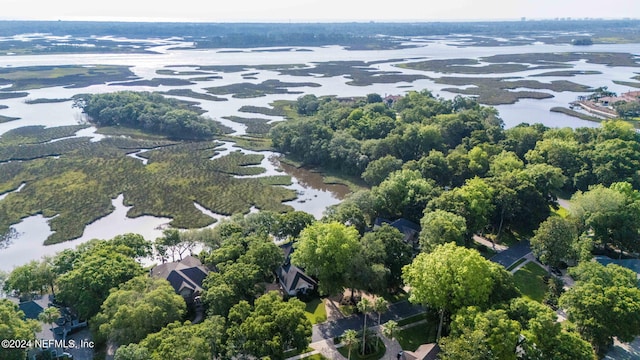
314, 195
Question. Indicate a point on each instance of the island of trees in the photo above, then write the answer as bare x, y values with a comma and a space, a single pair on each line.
150, 112
448, 165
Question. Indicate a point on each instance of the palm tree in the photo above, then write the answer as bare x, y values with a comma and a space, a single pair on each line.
365, 306
389, 329
380, 305
350, 339
49, 316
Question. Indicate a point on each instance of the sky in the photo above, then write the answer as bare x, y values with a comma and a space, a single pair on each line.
313, 10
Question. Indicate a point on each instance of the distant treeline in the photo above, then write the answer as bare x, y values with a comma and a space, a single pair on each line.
249, 34
147, 111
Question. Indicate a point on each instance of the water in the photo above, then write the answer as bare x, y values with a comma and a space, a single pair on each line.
313, 195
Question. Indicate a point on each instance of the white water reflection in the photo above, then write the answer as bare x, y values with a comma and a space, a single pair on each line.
34, 230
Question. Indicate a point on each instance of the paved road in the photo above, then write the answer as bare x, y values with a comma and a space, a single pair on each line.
331, 329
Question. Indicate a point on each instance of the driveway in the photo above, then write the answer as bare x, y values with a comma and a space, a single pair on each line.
331, 329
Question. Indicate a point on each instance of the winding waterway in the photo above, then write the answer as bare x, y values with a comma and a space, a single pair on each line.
313, 195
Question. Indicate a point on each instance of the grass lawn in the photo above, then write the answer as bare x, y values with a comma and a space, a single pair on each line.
294, 352
529, 280
315, 311
412, 319
347, 310
315, 357
411, 338
394, 298
355, 353
562, 212
516, 264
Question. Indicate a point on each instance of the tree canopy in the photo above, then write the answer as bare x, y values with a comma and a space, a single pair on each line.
326, 250
87, 285
140, 306
604, 303
450, 278
270, 328
13, 326
147, 111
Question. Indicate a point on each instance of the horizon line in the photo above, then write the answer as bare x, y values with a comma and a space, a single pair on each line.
312, 21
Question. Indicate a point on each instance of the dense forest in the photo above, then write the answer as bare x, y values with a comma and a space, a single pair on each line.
426, 144
150, 112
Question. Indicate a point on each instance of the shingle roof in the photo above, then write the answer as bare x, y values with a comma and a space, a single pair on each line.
188, 273
31, 309
291, 275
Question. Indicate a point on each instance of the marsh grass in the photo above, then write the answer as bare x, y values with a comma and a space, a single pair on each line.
72, 181
4, 119
496, 91
72, 76
255, 126
250, 90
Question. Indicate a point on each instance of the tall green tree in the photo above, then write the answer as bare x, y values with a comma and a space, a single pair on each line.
379, 169
380, 306
292, 223
14, 326
170, 243
132, 352
616, 160
271, 327
404, 193
501, 334
365, 306
390, 329
385, 245
178, 341
141, 306
325, 250
24, 279
604, 303
472, 201
350, 339
440, 227
554, 241
87, 285
140, 247
611, 213
49, 316
448, 279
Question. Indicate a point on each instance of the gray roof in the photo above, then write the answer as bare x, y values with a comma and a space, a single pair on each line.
291, 275
31, 309
188, 273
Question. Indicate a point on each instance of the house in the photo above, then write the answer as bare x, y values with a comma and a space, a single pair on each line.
390, 100
293, 280
408, 228
629, 96
186, 276
423, 352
